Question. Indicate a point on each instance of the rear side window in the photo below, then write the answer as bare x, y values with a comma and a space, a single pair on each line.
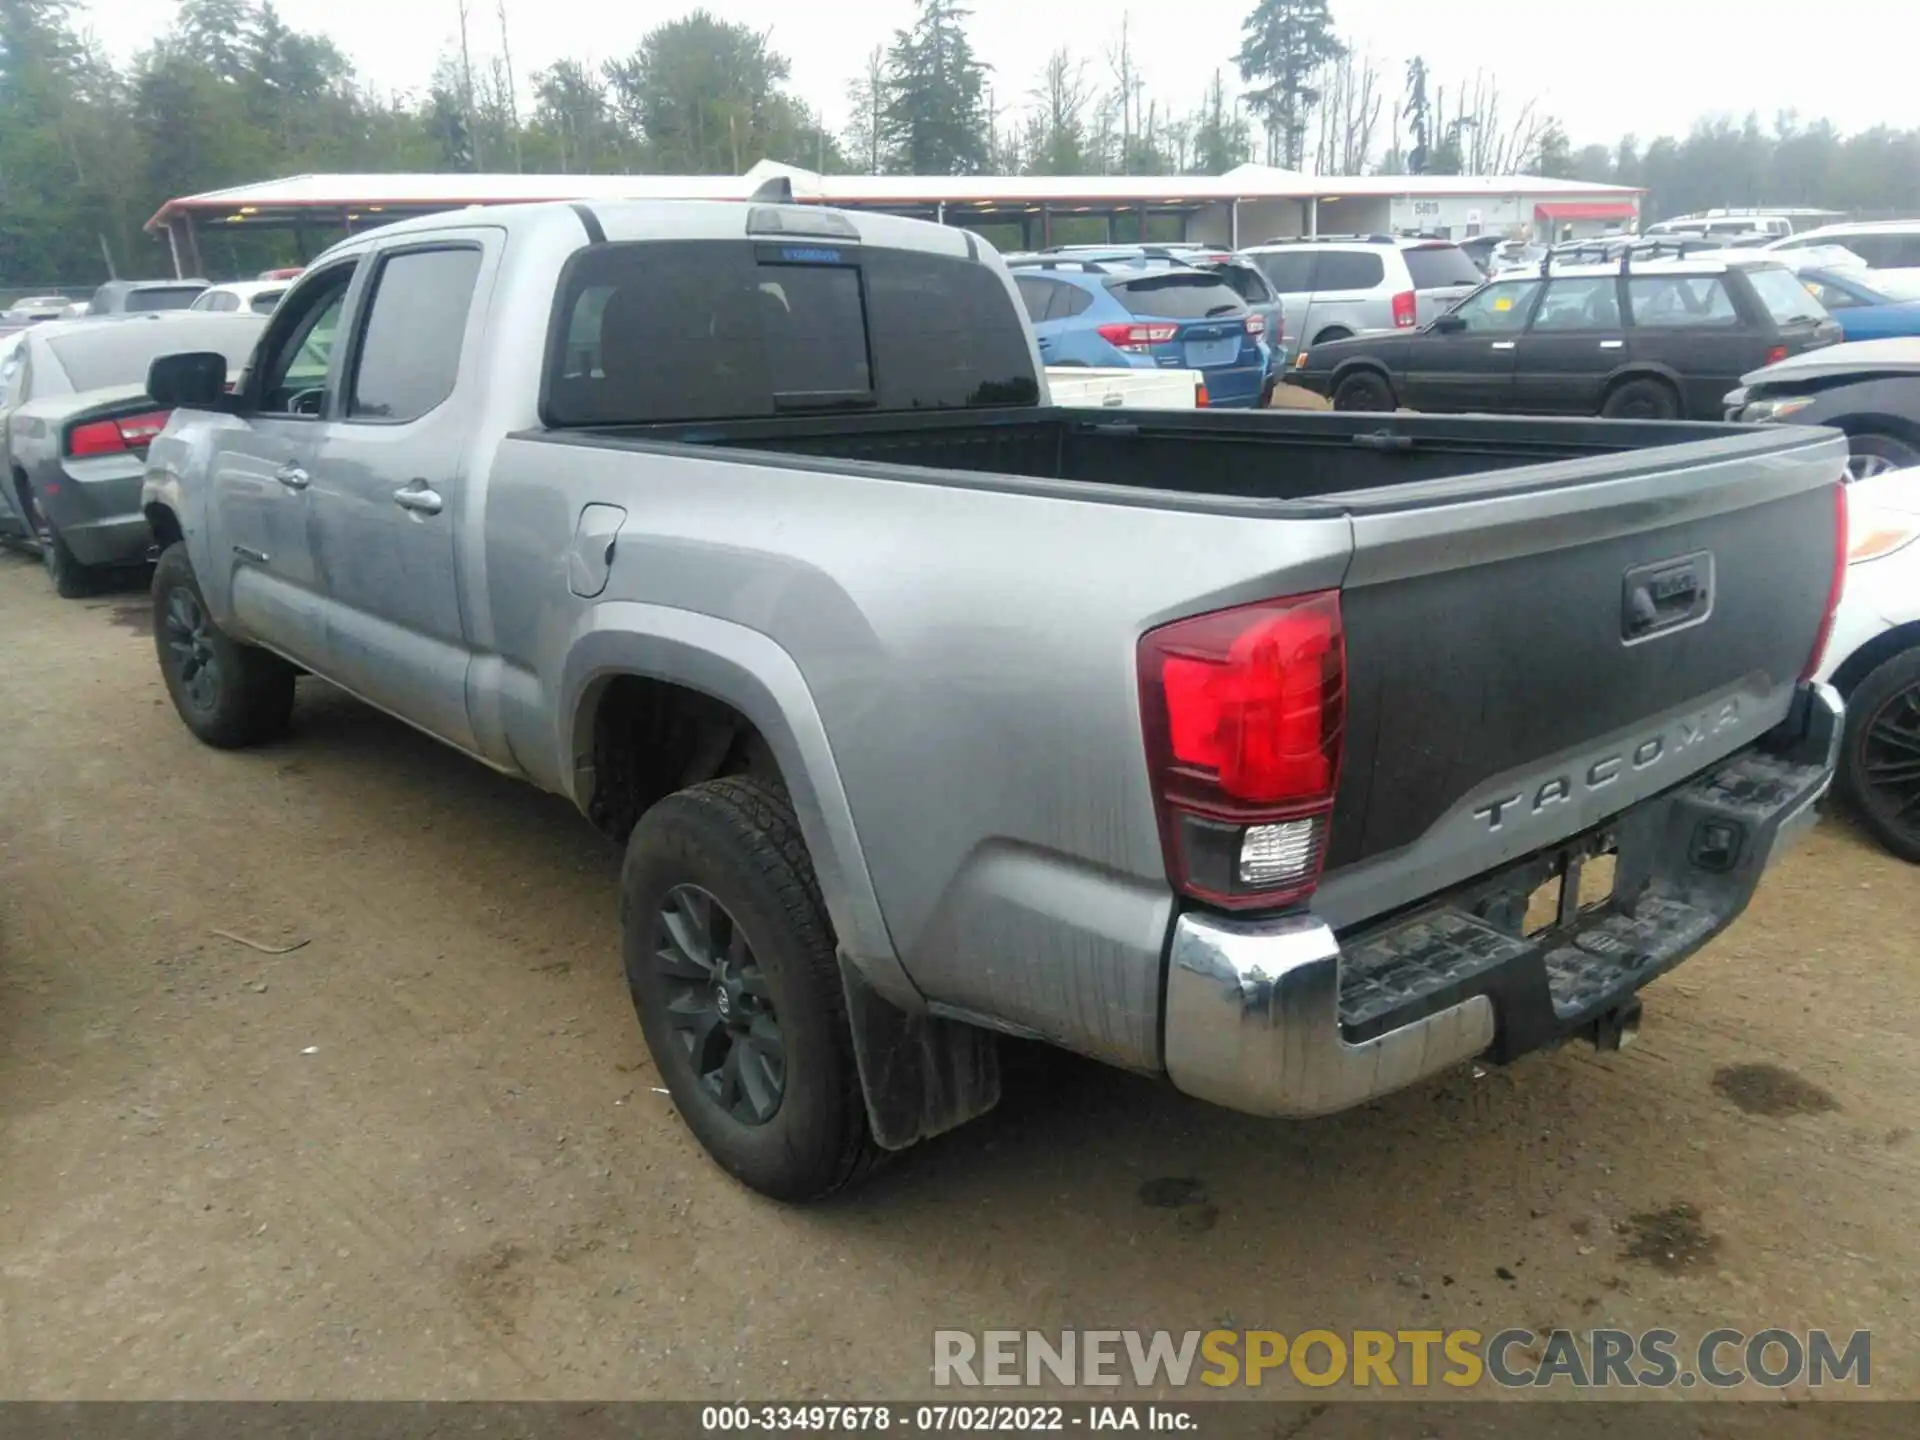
410, 344
1786, 299
263, 303
1350, 270
1434, 267
1178, 296
1035, 295
1246, 283
1289, 271
1680, 301
703, 330
162, 297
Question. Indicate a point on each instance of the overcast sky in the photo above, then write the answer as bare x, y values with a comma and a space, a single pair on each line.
1607, 67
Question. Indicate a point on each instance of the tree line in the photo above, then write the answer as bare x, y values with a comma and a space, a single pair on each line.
231, 94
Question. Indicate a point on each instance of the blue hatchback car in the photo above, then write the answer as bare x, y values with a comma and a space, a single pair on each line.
1146, 316
1869, 304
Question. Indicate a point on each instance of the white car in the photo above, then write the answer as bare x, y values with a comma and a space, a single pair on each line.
259, 296
1873, 659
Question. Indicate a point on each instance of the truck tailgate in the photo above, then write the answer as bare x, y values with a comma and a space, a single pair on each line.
1523, 663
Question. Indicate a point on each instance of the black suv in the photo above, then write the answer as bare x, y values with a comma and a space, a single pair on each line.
1663, 339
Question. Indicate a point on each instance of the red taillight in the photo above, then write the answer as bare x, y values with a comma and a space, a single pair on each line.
1243, 710
1256, 326
1200, 396
115, 437
1406, 309
1776, 355
1137, 339
1836, 584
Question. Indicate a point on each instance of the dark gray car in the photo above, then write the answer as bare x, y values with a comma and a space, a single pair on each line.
144, 297
74, 425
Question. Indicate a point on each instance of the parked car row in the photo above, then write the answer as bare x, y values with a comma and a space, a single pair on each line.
75, 422
1663, 340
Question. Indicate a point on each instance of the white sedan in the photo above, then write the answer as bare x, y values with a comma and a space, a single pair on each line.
1873, 658
259, 296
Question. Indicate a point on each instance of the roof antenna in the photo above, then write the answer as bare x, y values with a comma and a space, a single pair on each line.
775, 190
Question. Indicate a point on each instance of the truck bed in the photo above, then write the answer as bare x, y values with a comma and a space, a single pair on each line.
1272, 455
1493, 563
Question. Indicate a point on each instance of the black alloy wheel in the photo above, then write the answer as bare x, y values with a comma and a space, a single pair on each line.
719, 1007
187, 633
1886, 762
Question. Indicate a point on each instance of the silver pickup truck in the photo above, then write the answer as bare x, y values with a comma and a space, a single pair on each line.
1292, 756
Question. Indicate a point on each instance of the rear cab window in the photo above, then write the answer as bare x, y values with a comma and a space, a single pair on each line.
1177, 296
659, 331
1439, 267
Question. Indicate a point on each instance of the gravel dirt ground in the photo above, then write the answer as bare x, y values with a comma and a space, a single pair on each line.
424, 1154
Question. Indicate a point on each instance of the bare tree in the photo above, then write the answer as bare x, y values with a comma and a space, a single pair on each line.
1351, 99
1127, 89
513, 102
865, 136
466, 87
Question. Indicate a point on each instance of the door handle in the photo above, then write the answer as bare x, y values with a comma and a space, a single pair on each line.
1612, 344
292, 476
418, 498
1503, 344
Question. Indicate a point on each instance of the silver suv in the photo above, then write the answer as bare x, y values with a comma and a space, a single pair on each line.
1333, 286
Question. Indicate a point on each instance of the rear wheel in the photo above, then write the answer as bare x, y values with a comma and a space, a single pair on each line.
228, 694
1363, 390
1642, 399
1870, 455
71, 580
1880, 767
732, 967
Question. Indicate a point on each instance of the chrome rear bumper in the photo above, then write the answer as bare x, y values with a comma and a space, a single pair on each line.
1254, 1006
1253, 1022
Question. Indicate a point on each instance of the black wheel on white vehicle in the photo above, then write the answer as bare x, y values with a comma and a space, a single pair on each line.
731, 963
228, 694
1363, 390
1870, 455
1880, 765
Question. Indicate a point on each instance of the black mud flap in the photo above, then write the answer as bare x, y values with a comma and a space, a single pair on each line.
922, 1075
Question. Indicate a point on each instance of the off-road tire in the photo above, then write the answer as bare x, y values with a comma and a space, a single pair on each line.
251, 701
737, 840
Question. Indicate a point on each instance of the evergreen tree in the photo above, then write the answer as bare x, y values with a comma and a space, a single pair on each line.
1284, 42
935, 121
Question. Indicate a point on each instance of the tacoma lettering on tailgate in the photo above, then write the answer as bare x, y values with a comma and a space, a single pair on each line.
1603, 770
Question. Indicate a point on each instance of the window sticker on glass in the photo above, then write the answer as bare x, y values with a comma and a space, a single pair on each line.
1503, 302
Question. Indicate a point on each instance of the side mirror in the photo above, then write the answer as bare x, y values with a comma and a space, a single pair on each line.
1449, 325
193, 381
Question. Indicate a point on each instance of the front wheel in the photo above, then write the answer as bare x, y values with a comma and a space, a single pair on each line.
732, 967
228, 694
1880, 765
1870, 455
